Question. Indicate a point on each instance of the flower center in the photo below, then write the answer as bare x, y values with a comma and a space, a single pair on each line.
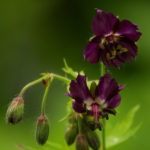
108, 39
95, 106
115, 51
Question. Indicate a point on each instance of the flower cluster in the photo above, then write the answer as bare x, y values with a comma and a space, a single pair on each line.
99, 100
113, 41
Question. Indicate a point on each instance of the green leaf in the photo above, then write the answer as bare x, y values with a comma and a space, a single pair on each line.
122, 130
68, 70
48, 146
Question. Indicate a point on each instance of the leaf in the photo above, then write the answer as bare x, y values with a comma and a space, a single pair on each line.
48, 146
69, 70
122, 130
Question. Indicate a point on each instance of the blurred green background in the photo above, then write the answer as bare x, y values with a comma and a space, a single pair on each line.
37, 34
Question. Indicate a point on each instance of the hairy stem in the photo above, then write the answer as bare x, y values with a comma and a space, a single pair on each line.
45, 96
32, 83
103, 134
45, 76
66, 80
102, 70
79, 123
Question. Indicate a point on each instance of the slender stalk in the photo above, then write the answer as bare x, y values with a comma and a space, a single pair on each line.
45, 97
104, 134
102, 70
61, 78
32, 83
79, 124
45, 76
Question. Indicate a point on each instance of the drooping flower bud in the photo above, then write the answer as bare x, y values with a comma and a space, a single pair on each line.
81, 143
42, 130
15, 111
71, 134
92, 139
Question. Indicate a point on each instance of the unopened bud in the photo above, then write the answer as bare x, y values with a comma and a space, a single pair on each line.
92, 125
71, 134
81, 143
42, 130
92, 139
15, 111
93, 88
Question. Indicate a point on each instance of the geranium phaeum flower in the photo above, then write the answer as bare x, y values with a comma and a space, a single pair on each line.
113, 41
100, 100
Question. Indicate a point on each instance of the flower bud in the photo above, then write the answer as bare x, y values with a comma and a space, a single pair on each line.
71, 134
81, 143
93, 88
15, 111
92, 139
92, 125
42, 130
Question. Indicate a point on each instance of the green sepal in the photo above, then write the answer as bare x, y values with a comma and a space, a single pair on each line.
15, 111
71, 133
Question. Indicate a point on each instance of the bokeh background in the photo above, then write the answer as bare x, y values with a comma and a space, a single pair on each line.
35, 35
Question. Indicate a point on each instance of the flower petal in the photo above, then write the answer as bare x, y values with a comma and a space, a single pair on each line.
126, 28
103, 54
116, 62
103, 23
130, 46
114, 101
78, 107
78, 89
91, 52
107, 87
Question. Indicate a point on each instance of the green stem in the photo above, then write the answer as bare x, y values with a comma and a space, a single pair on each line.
103, 134
79, 124
45, 97
46, 76
61, 78
102, 67
31, 84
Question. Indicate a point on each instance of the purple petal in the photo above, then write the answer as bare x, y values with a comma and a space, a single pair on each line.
103, 23
107, 87
91, 52
78, 89
116, 62
114, 101
132, 48
104, 59
129, 30
125, 57
78, 107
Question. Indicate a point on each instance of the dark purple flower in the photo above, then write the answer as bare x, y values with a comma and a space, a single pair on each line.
99, 100
113, 41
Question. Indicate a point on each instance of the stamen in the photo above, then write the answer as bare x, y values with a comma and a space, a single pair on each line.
101, 44
107, 56
95, 112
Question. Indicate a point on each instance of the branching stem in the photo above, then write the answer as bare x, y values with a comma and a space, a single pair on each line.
45, 76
